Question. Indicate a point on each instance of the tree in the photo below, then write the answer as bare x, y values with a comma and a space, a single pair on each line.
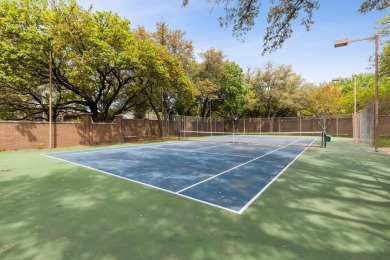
92, 57
220, 86
281, 15
175, 42
162, 75
169, 86
177, 46
96, 60
232, 90
364, 91
23, 66
206, 79
383, 31
385, 61
98, 65
278, 91
323, 102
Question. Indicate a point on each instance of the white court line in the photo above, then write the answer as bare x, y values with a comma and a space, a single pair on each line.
222, 154
274, 179
296, 141
197, 151
191, 150
151, 146
206, 147
142, 183
91, 150
178, 193
254, 159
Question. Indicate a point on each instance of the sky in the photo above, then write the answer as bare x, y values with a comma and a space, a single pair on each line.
310, 53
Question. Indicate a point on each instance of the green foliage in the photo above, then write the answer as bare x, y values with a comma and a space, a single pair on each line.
278, 91
206, 78
384, 62
179, 91
280, 18
175, 42
384, 141
281, 15
383, 28
365, 89
39, 146
98, 65
325, 101
5, 114
232, 91
95, 60
369, 5
21, 34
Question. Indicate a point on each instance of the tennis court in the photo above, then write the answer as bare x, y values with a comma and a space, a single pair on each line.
330, 203
218, 172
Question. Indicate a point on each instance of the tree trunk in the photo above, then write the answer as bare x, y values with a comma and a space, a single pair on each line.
160, 123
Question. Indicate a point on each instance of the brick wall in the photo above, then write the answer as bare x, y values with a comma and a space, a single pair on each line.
33, 135
23, 135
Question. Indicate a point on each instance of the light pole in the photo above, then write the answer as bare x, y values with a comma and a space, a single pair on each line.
162, 114
354, 131
50, 98
344, 42
211, 120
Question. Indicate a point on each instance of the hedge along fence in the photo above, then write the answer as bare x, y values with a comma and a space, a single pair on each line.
35, 135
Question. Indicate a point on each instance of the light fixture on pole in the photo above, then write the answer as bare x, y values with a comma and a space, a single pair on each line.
354, 131
344, 42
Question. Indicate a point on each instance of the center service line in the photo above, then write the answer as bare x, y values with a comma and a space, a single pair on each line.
254, 159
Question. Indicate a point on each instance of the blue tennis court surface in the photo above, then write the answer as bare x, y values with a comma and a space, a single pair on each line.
229, 176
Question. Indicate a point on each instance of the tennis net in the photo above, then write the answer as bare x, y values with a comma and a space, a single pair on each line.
306, 139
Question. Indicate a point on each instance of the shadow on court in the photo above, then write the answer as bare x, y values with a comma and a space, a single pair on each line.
224, 175
330, 204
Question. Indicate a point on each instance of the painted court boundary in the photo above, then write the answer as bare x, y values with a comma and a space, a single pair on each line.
235, 167
193, 185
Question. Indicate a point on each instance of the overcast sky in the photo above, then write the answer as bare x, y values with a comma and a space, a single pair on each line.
311, 54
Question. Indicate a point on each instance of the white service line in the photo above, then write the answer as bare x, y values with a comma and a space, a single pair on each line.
274, 179
178, 192
145, 184
296, 141
197, 151
269, 184
254, 159
109, 148
206, 147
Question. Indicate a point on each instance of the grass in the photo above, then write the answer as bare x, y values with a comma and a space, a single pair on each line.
331, 203
384, 141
